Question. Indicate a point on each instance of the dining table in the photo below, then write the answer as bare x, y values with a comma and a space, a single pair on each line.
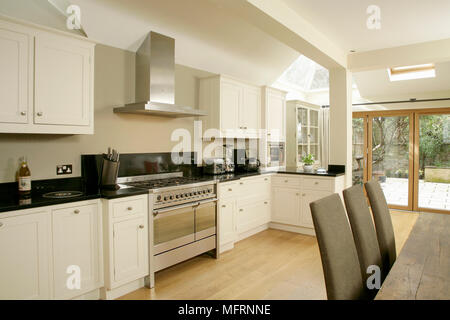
422, 268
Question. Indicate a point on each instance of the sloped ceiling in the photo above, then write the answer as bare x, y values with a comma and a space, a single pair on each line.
207, 37
376, 83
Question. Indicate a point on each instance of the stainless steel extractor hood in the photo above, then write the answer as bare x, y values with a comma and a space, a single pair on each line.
155, 80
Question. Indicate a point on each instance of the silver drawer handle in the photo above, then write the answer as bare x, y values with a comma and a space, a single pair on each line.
141, 226
130, 208
241, 210
224, 206
23, 113
39, 114
76, 211
230, 189
265, 202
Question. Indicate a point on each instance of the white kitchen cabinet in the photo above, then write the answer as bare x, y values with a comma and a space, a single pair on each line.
25, 251
47, 80
234, 108
16, 65
309, 196
286, 205
126, 244
274, 114
130, 248
252, 213
62, 81
227, 221
77, 246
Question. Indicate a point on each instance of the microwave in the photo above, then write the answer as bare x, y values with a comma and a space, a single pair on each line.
275, 154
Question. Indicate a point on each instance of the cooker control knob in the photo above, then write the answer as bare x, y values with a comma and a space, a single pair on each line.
171, 197
158, 198
177, 196
165, 198
186, 195
182, 195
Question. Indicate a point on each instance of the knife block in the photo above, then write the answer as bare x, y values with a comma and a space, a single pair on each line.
110, 170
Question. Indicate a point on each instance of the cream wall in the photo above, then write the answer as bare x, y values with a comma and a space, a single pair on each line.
114, 86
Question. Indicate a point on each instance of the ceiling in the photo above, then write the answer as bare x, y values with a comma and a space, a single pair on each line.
403, 22
207, 37
376, 83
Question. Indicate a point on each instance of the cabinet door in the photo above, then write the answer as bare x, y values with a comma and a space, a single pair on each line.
76, 248
286, 205
15, 71
249, 114
252, 214
25, 251
230, 104
62, 81
275, 117
309, 196
130, 249
227, 224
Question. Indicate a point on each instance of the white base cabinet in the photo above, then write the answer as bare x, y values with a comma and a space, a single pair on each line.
25, 251
126, 242
45, 251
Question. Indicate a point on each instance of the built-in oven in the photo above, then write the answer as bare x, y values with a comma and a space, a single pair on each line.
177, 226
275, 154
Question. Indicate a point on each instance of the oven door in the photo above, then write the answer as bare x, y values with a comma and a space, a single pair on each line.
173, 227
205, 219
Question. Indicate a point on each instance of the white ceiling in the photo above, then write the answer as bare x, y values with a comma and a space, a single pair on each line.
377, 84
402, 21
207, 37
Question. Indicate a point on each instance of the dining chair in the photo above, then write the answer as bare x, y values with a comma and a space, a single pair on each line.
383, 224
364, 233
340, 263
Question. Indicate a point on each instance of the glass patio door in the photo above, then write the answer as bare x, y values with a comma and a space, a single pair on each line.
432, 186
390, 157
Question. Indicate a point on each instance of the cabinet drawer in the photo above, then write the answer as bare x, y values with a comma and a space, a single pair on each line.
318, 184
287, 181
228, 189
259, 186
129, 208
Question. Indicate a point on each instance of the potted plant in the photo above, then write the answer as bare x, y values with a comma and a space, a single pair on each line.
308, 162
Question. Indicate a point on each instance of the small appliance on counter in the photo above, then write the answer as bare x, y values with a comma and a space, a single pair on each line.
110, 170
243, 163
214, 166
228, 157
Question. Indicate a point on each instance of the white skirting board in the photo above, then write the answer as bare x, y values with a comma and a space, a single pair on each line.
122, 290
285, 227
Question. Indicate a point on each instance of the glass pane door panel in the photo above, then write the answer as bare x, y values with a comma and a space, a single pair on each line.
314, 118
302, 151
314, 150
390, 157
313, 135
434, 161
358, 151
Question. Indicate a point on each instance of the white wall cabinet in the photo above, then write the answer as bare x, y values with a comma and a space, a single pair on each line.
125, 229
47, 80
234, 108
274, 114
77, 243
25, 251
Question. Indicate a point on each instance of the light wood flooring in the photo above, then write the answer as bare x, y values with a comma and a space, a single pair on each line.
272, 264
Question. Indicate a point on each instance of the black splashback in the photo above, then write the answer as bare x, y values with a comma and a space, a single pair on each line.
137, 164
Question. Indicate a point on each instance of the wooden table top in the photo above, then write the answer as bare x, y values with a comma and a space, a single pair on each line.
422, 269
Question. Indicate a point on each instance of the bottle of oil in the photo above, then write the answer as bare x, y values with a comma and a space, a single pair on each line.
24, 178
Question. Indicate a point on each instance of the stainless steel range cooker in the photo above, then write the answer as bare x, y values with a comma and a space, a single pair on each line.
183, 217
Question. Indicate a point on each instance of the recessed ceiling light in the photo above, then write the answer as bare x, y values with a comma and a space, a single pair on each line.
420, 71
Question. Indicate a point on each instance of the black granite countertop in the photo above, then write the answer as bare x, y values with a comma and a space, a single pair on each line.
122, 192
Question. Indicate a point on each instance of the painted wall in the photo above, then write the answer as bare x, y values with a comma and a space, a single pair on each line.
114, 86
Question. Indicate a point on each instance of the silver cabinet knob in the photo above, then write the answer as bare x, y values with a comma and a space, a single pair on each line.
286, 181
265, 202
130, 208
76, 211
241, 183
224, 206
241, 210
39, 114
230, 189
141, 226
316, 182
23, 113
265, 179
304, 195
1, 224
297, 194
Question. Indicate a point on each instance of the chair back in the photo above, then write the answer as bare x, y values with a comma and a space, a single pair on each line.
383, 224
340, 263
364, 233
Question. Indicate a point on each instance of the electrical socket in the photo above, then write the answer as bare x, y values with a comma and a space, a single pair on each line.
63, 169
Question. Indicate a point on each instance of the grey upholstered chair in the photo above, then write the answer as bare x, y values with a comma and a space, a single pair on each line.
337, 249
363, 232
383, 224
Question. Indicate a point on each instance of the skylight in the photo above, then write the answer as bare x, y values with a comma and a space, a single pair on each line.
420, 71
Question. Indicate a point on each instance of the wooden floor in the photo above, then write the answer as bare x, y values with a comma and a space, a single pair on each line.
272, 264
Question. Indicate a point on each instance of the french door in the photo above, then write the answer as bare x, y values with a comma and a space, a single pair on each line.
408, 153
